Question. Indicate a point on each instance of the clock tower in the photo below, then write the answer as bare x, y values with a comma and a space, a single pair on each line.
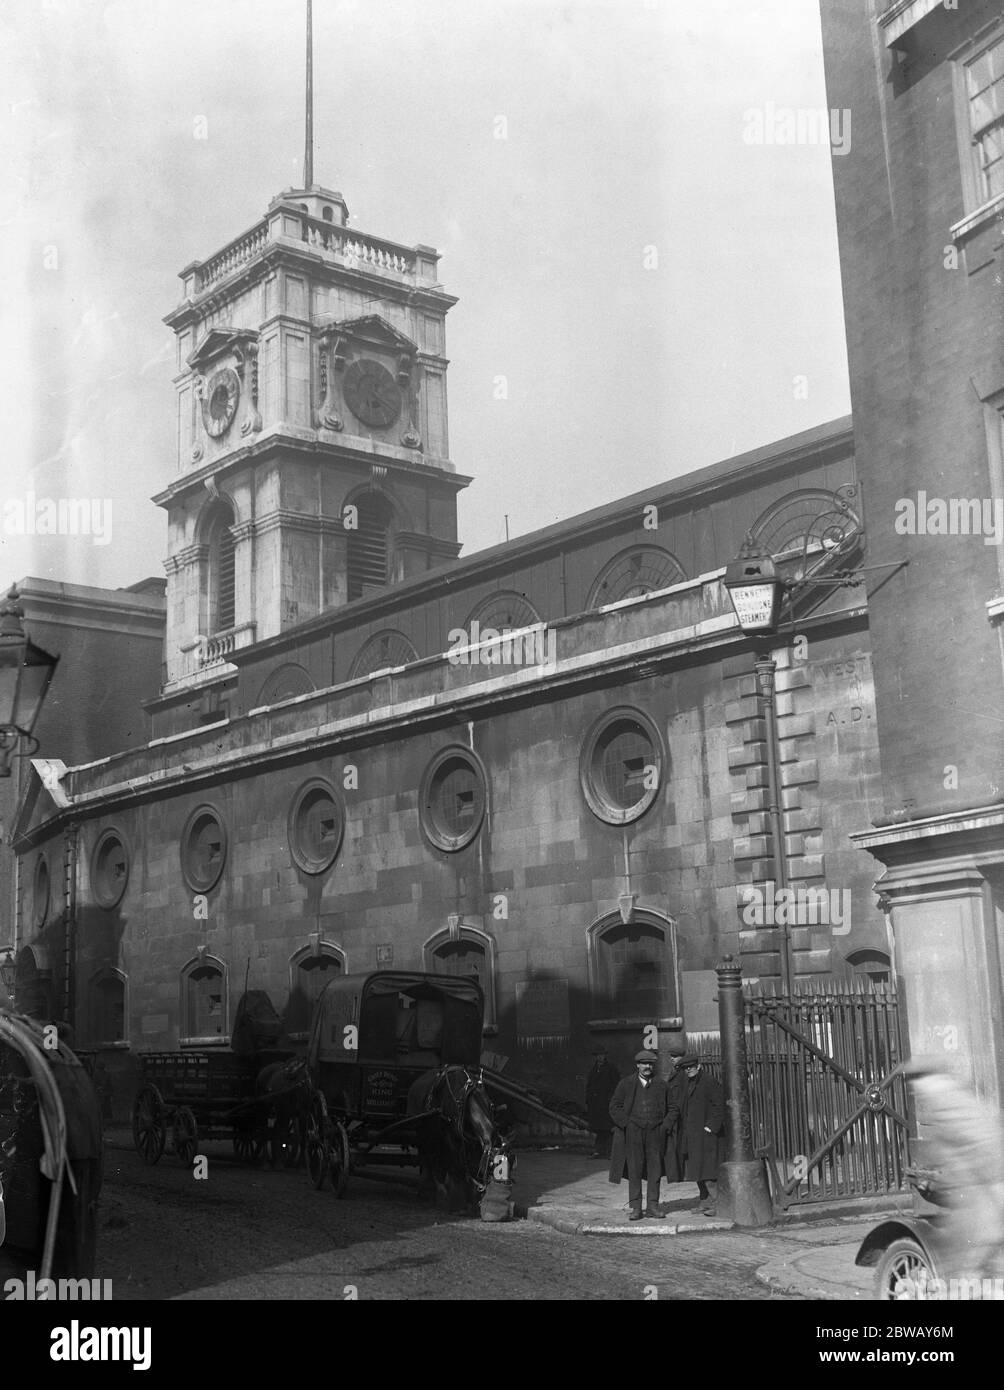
312, 461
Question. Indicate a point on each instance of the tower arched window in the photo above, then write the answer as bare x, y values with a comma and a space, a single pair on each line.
369, 545
220, 543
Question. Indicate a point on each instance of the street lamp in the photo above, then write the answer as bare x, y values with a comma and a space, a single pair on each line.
25, 674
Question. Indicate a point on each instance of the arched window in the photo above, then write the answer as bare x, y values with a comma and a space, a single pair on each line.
384, 649
310, 969
633, 968
874, 964
285, 683
107, 1008
204, 1008
820, 530
466, 952
642, 570
369, 544
220, 546
505, 609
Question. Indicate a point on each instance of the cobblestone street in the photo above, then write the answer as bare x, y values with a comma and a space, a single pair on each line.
253, 1233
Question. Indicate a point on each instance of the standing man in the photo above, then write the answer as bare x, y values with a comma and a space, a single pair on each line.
600, 1086
702, 1116
639, 1112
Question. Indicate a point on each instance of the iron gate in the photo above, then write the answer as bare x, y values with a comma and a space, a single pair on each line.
828, 1103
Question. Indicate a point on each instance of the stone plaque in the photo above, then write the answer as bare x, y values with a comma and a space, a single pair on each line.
155, 1023
542, 1012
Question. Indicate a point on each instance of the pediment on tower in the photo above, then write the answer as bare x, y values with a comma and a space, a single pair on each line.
218, 341
374, 329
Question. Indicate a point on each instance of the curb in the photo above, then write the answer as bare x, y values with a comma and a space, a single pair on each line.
569, 1226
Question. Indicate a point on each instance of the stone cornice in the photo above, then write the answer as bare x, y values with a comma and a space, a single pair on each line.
276, 254
347, 450
254, 745
937, 835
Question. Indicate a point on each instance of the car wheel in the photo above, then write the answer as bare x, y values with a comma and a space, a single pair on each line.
905, 1272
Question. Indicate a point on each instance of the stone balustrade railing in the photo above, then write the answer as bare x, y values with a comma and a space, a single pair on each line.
350, 248
216, 649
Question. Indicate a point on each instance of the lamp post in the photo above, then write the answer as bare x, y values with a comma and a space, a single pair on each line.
756, 590
25, 674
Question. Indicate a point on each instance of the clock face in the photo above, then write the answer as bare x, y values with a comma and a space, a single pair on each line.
219, 405
371, 393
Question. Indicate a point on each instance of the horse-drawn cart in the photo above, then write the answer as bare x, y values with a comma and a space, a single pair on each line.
239, 1094
394, 1069
50, 1151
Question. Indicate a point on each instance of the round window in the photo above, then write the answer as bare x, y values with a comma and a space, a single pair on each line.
40, 893
109, 869
453, 798
203, 849
316, 826
621, 767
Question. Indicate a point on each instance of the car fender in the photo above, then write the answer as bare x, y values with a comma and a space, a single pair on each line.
881, 1237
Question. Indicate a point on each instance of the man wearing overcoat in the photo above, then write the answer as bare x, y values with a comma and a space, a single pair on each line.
701, 1105
639, 1109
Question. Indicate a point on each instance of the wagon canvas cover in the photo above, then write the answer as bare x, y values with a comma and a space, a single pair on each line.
403, 1018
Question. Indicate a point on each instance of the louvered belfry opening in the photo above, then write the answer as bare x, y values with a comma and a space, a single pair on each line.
369, 545
221, 570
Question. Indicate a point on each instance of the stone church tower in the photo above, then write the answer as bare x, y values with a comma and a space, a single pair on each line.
312, 450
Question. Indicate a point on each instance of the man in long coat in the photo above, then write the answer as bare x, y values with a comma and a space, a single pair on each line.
701, 1121
640, 1111
600, 1086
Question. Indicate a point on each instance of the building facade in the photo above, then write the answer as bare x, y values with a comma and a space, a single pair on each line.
543, 764
920, 215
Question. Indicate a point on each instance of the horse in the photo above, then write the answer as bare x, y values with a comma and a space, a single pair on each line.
462, 1151
288, 1086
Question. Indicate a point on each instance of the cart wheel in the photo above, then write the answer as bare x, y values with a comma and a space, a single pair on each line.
149, 1123
317, 1148
284, 1143
337, 1153
904, 1272
249, 1146
185, 1134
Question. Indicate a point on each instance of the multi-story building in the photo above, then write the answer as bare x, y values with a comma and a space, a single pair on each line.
920, 214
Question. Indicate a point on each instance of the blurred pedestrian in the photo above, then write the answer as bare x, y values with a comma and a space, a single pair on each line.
639, 1112
701, 1105
600, 1086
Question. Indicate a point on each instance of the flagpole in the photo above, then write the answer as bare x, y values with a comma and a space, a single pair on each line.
308, 151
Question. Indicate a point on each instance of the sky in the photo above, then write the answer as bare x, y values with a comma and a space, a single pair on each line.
657, 290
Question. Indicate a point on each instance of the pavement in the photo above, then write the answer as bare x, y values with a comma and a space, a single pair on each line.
810, 1252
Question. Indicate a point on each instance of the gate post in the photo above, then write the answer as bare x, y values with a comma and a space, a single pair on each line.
743, 1195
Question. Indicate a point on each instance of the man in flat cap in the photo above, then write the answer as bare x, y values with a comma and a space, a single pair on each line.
600, 1086
639, 1112
701, 1105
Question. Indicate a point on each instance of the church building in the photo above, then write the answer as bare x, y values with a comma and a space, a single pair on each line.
542, 764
